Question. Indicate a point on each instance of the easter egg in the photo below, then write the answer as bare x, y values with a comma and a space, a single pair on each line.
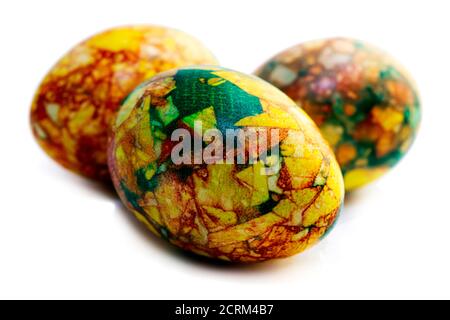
224, 165
78, 99
363, 101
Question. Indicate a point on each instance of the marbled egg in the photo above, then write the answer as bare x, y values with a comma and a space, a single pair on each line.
78, 99
363, 101
224, 165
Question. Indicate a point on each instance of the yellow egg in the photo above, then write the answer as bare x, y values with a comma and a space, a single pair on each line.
363, 101
76, 102
224, 165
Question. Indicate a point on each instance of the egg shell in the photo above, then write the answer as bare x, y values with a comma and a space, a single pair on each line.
365, 104
275, 206
78, 99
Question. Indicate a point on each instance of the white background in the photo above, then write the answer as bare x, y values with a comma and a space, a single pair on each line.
62, 236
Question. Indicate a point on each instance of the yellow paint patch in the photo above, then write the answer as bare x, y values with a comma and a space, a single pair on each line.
245, 231
80, 118
390, 119
273, 118
303, 197
212, 192
246, 176
300, 235
324, 205
69, 144
153, 213
332, 133
304, 170
255, 178
224, 218
285, 208
118, 39
216, 81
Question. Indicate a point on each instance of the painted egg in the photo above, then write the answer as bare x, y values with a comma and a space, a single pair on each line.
364, 102
78, 99
224, 165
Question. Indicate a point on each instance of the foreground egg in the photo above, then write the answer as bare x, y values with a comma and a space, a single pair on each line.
78, 99
364, 103
224, 165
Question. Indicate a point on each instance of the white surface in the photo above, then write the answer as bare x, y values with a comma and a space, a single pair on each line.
62, 236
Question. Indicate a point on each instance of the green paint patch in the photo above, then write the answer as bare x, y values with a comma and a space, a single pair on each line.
206, 117
303, 72
338, 105
158, 129
389, 73
39, 131
132, 197
267, 206
369, 99
230, 102
358, 44
167, 113
146, 178
52, 110
164, 233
